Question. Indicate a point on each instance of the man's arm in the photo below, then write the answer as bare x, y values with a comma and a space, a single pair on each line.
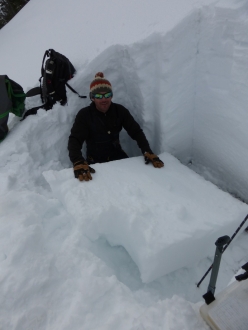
134, 130
136, 133
77, 137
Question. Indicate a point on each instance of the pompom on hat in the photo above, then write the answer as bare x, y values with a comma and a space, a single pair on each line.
100, 84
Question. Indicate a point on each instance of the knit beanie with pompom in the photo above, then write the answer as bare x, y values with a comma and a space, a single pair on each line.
100, 84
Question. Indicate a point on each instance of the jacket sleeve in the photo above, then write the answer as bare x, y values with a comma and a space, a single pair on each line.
77, 137
134, 131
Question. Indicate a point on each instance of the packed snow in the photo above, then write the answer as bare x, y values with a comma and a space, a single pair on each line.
159, 217
125, 250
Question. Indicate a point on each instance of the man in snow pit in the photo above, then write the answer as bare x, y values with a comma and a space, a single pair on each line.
99, 126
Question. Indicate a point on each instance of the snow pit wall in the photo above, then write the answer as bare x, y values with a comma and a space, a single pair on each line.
221, 111
194, 103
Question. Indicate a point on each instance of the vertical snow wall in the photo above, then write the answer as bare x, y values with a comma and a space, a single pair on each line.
221, 98
195, 102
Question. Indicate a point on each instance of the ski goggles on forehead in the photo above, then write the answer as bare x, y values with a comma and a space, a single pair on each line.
100, 96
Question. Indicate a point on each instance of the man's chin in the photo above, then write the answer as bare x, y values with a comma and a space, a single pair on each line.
104, 108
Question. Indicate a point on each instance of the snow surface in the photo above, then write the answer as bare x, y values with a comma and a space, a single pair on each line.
73, 254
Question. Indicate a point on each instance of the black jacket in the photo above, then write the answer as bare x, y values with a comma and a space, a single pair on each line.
101, 131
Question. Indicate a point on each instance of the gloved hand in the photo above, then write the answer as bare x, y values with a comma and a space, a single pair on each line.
156, 162
82, 171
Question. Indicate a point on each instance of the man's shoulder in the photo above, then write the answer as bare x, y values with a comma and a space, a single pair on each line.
119, 107
83, 112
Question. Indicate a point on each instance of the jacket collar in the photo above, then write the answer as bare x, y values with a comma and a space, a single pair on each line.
99, 113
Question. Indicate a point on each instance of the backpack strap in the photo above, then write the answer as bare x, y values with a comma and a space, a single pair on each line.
33, 92
47, 54
75, 92
48, 88
32, 111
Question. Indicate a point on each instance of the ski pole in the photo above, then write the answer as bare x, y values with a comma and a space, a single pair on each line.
235, 233
220, 243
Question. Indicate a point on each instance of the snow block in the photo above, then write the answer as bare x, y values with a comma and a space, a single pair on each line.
160, 216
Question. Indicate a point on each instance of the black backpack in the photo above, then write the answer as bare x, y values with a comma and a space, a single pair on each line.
53, 81
12, 99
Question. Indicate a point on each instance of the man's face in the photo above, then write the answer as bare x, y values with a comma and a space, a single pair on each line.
104, 103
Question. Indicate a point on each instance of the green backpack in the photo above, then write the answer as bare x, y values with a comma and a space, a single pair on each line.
12, 99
